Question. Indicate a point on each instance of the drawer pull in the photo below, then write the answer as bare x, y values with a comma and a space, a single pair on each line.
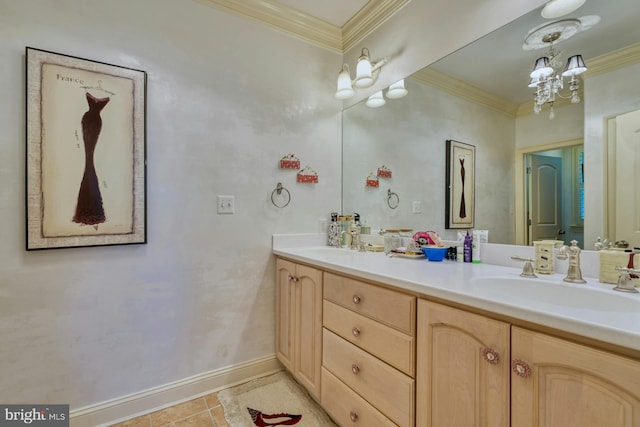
355, 331
356, 299
293, 279
520, 368
353, 416
491, 356
355, 369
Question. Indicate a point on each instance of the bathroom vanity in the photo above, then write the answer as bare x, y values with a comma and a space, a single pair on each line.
390, 341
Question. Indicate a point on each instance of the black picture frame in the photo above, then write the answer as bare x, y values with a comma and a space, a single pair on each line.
85, 152
460, 185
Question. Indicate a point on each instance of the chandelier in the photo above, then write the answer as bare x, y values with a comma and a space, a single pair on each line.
548, 82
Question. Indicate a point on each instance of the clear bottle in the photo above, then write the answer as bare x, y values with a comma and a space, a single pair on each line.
392, 240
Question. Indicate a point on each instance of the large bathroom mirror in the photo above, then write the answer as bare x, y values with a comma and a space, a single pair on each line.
479, 95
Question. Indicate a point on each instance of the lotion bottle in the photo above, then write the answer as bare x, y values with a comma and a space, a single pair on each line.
468, 241
475, 247
333, 232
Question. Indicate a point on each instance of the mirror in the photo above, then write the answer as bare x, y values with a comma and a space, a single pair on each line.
479, 96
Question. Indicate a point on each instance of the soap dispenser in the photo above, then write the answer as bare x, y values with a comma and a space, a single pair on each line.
333, 232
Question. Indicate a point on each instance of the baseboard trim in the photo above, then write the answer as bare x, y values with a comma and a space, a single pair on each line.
144, 402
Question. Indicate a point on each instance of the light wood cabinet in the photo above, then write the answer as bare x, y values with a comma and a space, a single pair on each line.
555, 382
368, 353
384, 359
299, 322
462, 368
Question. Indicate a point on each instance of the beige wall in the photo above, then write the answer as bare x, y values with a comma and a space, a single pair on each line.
227, 98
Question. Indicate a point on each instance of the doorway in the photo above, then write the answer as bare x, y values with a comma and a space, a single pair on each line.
550, 193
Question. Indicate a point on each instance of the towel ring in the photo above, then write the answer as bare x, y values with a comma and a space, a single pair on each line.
280, 191
393, 200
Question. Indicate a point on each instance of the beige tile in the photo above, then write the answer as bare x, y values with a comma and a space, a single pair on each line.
212, 400
143, 421
218, 417
203, 419
178, 412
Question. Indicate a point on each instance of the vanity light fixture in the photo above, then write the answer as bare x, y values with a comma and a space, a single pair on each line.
548, 82
376, 100
366, 75
396, 90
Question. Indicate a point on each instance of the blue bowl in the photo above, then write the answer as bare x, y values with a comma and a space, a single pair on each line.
434, 253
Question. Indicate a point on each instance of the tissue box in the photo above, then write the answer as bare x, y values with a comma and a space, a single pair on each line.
610, 259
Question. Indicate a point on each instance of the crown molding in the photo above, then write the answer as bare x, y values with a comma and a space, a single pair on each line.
370, 17
310, 28
431, 77
610, 61
285, 19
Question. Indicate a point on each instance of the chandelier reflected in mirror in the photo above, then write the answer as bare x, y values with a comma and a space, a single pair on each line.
548, 75
549, 82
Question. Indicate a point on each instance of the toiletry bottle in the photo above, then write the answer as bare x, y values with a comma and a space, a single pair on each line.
467, 247
333, 232
475, 247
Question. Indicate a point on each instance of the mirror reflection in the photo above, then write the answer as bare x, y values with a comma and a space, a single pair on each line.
483, 95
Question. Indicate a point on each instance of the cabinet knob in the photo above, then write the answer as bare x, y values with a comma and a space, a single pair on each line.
355, 331
353, 416
520, 368
355, 369
490, 355
356, 299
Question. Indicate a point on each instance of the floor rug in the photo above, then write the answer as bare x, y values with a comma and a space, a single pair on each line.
275, 400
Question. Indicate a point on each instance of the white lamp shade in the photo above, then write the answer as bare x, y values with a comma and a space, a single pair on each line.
376, 100
397, 90
575, 66
344, 90
364, 74
541, 69
557, 8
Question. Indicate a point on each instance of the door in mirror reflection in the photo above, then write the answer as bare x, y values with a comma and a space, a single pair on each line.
555, 196
627, 178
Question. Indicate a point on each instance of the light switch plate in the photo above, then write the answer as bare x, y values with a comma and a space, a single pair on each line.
226, 205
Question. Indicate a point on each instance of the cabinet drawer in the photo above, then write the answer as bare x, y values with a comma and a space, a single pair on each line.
346, 407
383, 386
386, 343
392, 308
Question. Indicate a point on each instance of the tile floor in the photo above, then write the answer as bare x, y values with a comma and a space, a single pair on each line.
201, 412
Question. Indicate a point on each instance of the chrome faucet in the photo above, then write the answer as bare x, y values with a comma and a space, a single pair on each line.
625, 284
574, 274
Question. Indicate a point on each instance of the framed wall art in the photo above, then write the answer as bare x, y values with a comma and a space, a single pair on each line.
85, 154
460, 185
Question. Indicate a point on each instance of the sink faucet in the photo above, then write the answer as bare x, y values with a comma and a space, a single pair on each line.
353, 236
625, 284
574, 274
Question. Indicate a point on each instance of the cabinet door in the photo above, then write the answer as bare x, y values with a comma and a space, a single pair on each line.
308, 334
285, 312
462, 369
559, 383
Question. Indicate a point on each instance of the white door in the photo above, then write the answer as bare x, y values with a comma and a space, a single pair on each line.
627, 171
545, 196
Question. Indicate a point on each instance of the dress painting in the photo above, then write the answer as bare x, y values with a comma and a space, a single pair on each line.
89, 208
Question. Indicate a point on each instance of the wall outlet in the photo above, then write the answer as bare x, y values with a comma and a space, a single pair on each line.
226, 204
417, 206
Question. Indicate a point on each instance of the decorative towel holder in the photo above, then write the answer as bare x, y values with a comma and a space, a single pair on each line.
280, 193
393, 200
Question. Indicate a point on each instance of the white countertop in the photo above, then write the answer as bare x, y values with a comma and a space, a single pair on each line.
458, 282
